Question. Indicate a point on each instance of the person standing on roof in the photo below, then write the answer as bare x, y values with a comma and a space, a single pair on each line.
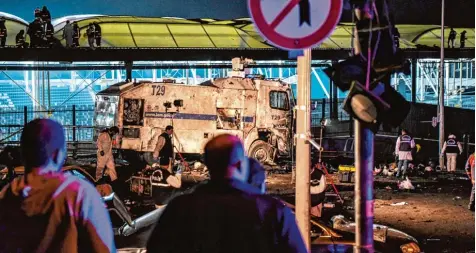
45, 14
20, 39
403, 149
46, 210
49, 31
68, 34
37, 12
105, 158
462, 39
3, 32
97, 34
451, 38
90, 33
451, 148
76, 34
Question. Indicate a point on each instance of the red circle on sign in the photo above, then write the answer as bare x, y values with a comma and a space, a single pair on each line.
285, 42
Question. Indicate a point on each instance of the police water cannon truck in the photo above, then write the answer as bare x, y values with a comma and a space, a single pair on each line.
257, 110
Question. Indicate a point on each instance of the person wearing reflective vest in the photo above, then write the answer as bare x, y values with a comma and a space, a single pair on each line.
20, 39
451, 148
470, 172
76, 34
49, 31
403, 149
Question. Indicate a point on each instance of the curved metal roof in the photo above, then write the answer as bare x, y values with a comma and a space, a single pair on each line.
169, 32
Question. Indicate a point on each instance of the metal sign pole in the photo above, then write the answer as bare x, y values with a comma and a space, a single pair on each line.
364, 186
441, 107
303, 150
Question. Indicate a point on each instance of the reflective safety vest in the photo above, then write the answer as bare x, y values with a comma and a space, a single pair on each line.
405, 143
3, 32
451, 146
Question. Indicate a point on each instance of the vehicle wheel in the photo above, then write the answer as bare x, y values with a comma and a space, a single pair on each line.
261, 151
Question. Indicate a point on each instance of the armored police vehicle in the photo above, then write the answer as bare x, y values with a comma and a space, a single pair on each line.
257, 110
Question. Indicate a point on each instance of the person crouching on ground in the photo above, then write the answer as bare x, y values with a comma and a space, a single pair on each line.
164, 184
318, 189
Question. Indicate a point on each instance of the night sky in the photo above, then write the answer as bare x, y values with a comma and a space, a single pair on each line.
458, 12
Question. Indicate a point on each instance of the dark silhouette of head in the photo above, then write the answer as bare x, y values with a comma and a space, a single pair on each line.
67, 21
404, 131
257, 176
169, 130
225, 158
113, 130
44, 8
22, 32
43, 145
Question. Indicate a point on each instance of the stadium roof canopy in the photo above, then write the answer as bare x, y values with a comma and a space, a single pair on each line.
165, 32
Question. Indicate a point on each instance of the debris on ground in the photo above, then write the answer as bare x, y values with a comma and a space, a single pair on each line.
406, 185
457, 198
399, 204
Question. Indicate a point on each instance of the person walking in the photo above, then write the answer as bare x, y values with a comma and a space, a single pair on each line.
47, 211
68, 34
403, 149
164, 150
226, 214
451, 38
451, 148
105, 158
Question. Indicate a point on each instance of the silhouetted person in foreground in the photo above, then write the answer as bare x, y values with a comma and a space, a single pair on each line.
226, 214
46, 210
462, 39
451, 38
20, 39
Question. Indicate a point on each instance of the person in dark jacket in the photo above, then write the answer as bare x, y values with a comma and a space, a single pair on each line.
451, 38
97, 34
76, 34
35, 31
37, 12
20, 39
462, 39
227, 214
45, 14
3, 32
49, 31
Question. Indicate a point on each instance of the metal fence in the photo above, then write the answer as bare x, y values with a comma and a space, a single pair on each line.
77, 121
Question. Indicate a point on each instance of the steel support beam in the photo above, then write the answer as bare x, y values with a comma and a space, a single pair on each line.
414, 80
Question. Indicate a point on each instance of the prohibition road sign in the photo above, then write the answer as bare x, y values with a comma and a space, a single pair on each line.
295, 24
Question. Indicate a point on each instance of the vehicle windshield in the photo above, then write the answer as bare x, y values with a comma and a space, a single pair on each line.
279, 100
106, 109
